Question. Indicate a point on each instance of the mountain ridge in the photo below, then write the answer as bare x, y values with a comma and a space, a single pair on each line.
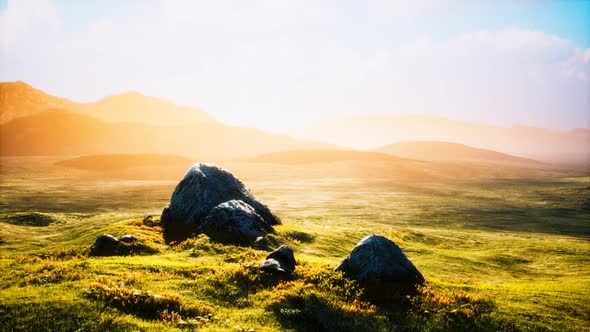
66, 133
19, 99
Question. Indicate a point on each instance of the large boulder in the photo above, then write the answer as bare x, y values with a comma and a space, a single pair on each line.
234, 222
105, 245
203, 188
280, 261
382, 268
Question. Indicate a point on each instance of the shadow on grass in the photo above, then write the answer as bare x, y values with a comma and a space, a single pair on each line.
236, 286
60, 316
34, 219
427, 311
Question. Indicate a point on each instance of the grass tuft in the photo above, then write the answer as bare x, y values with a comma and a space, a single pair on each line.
145, 304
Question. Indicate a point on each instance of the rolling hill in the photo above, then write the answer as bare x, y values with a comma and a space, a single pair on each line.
115, 162
64, 133
354, 164
373, 131
445, 151
321, 156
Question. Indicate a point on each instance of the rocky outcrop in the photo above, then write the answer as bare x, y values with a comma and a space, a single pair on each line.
234, 222
281, 261
382, 269
128, 244
105, 245
203, 188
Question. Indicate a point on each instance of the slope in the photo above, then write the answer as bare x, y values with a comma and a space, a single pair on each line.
59, 132
446, 151
369, 132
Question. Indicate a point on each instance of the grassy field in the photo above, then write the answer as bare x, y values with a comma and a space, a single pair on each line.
497, 255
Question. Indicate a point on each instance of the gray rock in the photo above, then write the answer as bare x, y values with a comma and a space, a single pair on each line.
105, 245
377, 259
128, 238
149, 221
280, 261
203, 188
273, 266
234, 222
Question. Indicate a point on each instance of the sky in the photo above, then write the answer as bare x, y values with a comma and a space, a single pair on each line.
281, 65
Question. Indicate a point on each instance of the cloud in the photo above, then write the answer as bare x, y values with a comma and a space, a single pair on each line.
27, 18
507, 76
280, 64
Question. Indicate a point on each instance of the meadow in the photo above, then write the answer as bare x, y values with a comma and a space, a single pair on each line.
497, 255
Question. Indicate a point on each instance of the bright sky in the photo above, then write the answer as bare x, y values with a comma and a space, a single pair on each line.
278, 64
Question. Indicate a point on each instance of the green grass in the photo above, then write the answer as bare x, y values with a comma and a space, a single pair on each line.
496, 255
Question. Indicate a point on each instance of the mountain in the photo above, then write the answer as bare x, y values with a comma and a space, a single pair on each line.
137, 108
445, 151
18, 99
369, 132
59, 132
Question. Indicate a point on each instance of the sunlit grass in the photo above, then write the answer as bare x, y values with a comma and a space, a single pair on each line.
502, 255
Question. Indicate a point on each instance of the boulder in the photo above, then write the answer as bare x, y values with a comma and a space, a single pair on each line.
234, 222
128, 238
382, 269
281, 261
378, 260
105, 245
203, 188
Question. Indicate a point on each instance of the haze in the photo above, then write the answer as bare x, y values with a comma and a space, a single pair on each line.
285, 65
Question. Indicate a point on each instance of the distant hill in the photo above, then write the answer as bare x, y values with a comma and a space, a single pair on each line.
445, 151
111, 162
18, 99
373, 131
134, 107
59, 132
354, 164
321, 156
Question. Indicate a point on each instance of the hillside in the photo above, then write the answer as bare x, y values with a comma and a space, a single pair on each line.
59, 132
137, 108
316, 164
321, 156
370, 132
493, 254
18, 99
111, 162
445, 151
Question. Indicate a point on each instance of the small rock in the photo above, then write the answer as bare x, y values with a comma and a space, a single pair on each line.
148, 220
272, 265
128, 238
281, 260
234, 222
105, 245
